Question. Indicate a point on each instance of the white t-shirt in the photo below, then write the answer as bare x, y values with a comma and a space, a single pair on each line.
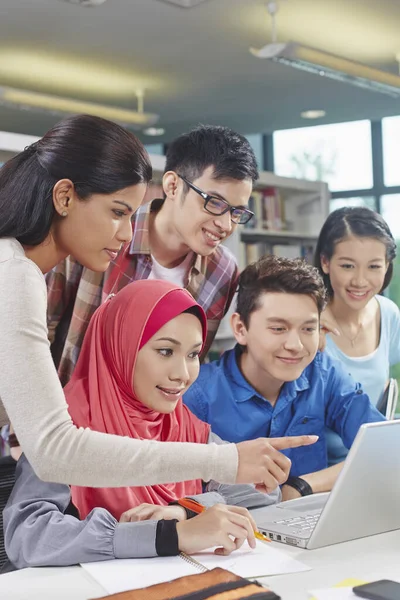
177, 275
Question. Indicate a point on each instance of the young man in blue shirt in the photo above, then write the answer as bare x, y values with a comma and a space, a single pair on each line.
275, 382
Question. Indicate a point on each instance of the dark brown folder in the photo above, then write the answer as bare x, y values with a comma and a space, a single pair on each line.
217, 584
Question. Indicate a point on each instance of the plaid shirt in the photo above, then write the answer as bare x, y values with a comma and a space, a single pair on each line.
75, 292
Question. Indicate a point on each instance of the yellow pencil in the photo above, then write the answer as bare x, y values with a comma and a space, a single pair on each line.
261, 536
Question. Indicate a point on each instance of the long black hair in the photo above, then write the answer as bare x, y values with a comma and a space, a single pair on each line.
358, 221
98, 156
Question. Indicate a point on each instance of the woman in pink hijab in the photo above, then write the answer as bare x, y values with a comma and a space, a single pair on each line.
115, 390
140, 354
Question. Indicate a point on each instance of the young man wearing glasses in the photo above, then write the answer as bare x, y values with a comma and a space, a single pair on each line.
207, 184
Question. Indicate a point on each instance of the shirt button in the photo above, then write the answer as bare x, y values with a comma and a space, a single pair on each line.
360, 392
305, 420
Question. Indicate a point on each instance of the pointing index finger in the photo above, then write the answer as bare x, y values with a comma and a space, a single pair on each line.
293, 441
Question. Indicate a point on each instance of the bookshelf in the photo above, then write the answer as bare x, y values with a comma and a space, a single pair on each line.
289, 214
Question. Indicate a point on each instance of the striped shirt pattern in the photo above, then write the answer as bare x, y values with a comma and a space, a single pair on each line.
74, 292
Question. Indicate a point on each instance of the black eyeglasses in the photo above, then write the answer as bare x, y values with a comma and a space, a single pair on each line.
217, 206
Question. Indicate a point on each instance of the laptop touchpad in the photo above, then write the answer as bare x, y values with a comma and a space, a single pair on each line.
306, 503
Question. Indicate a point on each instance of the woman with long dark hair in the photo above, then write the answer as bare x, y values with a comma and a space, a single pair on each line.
355, 254
73, 192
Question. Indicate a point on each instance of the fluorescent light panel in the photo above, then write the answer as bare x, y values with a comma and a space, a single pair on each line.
331, 66
313, 114
56, 104
184, 3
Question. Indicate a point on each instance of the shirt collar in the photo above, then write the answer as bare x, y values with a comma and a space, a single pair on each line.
140, 243
244, 391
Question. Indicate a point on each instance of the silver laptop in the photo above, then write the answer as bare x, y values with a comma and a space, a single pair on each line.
365, 499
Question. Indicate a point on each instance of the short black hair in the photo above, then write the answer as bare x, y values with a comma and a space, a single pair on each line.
277, 274
228, 152
97, 155
357, 221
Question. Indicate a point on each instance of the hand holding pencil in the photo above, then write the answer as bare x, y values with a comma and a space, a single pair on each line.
230, 521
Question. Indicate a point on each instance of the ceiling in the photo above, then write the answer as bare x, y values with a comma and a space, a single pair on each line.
194, 63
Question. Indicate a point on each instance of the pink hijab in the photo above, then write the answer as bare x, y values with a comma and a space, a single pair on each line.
100, 394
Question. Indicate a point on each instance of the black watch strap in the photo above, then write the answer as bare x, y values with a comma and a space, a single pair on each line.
300, 485
167, 541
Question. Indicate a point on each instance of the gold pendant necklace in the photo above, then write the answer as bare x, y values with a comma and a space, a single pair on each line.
353, 339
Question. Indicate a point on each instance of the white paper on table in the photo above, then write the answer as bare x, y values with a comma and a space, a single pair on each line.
264, 560
128, 574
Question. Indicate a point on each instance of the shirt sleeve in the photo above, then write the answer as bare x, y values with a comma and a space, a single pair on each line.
35, 404
347, 405
38, 533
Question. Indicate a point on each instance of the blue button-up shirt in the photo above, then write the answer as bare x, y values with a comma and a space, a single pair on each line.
323, 395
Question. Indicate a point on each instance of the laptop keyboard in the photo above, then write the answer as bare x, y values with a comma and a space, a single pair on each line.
301, 524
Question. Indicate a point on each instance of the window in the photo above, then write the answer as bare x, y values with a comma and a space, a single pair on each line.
155, 149
389, 209
390, 205
391, 150
340, 154
368, 201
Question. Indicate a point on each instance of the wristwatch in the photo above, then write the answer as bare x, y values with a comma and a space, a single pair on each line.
300, 485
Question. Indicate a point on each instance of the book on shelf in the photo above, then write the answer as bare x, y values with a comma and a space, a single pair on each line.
269, 210
252, 251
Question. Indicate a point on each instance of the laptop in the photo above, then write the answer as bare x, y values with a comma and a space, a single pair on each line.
365, 499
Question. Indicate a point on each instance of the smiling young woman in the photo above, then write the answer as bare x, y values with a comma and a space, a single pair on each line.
73, 192
354, 254
140, 354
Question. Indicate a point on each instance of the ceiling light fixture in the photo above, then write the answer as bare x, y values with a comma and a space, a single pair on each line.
154, 131
184, 3
86, 2
325, 64
313, 114
25, 99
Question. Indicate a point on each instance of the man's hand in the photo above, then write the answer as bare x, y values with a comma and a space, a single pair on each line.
226, 527
145, 512
262, 463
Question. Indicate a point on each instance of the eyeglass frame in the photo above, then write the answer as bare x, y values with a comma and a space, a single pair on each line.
207, 197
